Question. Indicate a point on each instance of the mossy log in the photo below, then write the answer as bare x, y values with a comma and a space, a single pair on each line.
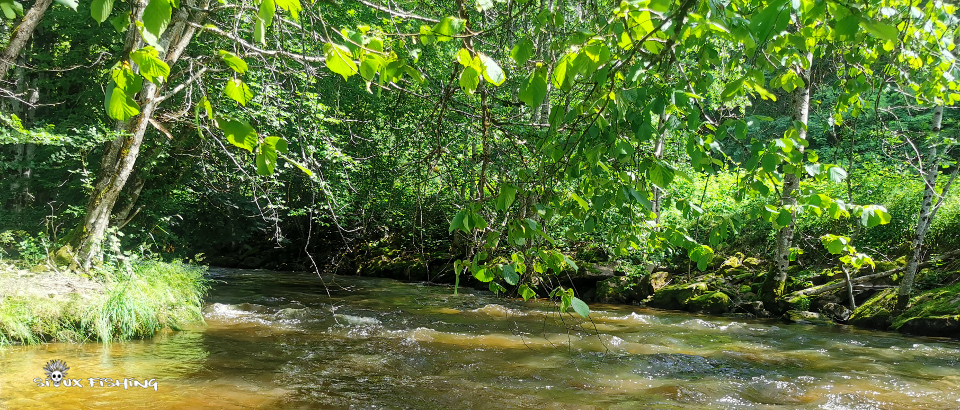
816, 290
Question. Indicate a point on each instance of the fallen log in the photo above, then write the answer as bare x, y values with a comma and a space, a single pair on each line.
816, 290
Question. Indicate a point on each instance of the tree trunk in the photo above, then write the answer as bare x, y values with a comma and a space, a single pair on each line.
22, 34
122, 153
121, 217
774, 283
852, 303
927, 212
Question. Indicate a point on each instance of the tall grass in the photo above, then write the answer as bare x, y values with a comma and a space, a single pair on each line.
134, 303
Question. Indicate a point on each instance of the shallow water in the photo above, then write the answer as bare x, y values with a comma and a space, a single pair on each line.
279, 340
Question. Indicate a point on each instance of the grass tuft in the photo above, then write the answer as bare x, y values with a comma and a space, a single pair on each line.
132, 303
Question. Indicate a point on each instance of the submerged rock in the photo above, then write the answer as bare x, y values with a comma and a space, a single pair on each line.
803, 317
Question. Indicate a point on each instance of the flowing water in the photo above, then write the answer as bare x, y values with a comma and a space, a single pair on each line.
279, 340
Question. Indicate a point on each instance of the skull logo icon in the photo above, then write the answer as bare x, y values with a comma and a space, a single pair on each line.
56, 370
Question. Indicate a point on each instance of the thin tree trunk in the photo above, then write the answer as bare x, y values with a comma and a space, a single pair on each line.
122, 153
22, 34
774, 283
846, 278
927, 212
120, 218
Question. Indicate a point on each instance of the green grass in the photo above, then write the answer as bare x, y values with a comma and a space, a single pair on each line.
136, 303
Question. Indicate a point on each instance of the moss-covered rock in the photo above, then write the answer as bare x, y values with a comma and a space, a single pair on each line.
935, 312
836, 312
652, 282
677, 297
875, 313
714, 302
753, 263
801, 303
621, 289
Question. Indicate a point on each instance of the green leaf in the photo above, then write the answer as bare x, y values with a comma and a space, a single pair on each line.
464, 57
100, 9
291, 6
508, 193
769, 162
522, 51
278, 143
266, 159
447, 28
770, 21
121, 22
339, 59
848, 26
732, 89
151, 66
660, 175
156, 17
238, 91
492, 71
526, 293
233, 61
8, 11
239, 133
469, 80
784, 218
119, 105
580, 307
457, 222
836, 173
834, 244
264, 20
484, 275
205, 103
534, 89
484, 5
72, 4
874, 215
880, 30
510, 274
127, 80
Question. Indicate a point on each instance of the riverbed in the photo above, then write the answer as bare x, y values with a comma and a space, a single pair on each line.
284, 340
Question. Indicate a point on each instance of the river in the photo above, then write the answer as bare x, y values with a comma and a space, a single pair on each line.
282, 340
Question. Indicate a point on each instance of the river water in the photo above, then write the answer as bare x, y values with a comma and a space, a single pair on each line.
281, 340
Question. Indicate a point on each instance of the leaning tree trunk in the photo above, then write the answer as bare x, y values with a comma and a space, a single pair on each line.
927, 212
22, 34
122, 153
775, 281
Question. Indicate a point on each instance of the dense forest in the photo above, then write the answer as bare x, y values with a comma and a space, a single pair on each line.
745, 157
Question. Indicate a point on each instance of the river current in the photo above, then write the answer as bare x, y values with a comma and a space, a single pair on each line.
283, 340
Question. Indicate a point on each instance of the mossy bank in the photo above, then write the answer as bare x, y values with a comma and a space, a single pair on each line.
42, 305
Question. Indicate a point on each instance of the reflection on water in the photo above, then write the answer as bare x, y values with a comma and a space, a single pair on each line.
279, 340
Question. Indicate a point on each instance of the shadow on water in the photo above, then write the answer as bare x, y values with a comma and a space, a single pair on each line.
280, 340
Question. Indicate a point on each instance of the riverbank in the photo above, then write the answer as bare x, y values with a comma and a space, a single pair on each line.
730, 287
45, 305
